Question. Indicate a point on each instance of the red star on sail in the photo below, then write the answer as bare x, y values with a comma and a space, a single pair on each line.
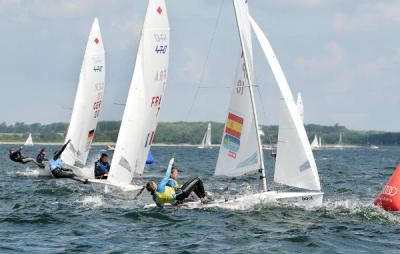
159, 10
96, 41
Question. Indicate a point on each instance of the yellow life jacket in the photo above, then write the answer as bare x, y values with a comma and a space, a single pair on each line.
176, 184
165, 197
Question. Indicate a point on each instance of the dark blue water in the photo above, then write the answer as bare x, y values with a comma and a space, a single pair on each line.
45, 215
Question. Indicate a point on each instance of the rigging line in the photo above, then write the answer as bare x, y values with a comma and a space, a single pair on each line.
267, 133
205, 62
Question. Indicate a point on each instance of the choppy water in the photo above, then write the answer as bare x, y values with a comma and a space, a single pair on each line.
45, 215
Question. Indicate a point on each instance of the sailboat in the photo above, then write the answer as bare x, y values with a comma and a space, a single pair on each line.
300, 106
315, 144
146, 93
340, 142
206, 142
29, 141
241, 151
87, 106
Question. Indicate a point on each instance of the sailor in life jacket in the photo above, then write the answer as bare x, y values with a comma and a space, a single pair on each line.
101, 167
164, 194
57, 169
172, 181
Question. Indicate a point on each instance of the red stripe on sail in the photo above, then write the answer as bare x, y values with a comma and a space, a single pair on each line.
232, 132
235, 118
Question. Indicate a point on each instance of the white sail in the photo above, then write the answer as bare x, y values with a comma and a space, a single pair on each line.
320, 141
88, 101
145, 96
240, 151
340, 143
29, 141
206, 141
300, 106
295, 164
315, 143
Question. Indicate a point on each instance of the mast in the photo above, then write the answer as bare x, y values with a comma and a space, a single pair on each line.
249, 79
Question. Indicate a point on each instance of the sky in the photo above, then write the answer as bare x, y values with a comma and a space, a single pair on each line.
343, 56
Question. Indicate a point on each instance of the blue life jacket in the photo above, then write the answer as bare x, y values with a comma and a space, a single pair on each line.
55, 164
101, 168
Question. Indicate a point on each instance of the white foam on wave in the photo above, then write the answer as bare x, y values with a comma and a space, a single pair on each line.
33, 172
92, 200
355, 207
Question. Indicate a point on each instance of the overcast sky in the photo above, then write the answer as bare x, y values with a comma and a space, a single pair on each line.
343, 56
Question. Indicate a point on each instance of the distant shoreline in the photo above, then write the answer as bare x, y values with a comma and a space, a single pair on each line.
176, 145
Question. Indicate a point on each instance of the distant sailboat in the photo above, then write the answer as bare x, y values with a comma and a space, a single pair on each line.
316, 142
29, 141
88, 103
139, 122
206, 142
300, 106
241, 151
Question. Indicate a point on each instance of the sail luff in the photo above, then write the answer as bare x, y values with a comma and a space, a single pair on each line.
241, 6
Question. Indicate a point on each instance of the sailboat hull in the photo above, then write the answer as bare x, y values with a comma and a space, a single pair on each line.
301, 199
134, 189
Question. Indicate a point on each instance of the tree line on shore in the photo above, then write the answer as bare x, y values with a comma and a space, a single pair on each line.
192, 133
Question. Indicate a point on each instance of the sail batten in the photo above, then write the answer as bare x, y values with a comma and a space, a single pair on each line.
145, 97
295, 164
88, 101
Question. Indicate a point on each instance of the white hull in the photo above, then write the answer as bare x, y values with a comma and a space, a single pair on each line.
204, 147
44, 171
123, 187
302, 199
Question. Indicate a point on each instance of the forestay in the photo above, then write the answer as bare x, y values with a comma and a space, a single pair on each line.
239, 152
295, 165
145, 97
88, 101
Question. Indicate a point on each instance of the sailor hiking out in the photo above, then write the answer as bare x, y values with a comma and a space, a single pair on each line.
56, 166
168, 191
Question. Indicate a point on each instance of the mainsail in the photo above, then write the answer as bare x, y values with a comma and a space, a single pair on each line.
240, 151
145, 97
300, 106
295, 164
29, 141
88, 101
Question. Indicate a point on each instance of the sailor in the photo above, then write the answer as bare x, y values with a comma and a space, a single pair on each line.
16, 155
56, 166
41, 158
102, 167
164, 194
173, 179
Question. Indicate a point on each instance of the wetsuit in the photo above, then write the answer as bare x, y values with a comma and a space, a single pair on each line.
101, 169
195, 185
58, 171
41, 159
18, 157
